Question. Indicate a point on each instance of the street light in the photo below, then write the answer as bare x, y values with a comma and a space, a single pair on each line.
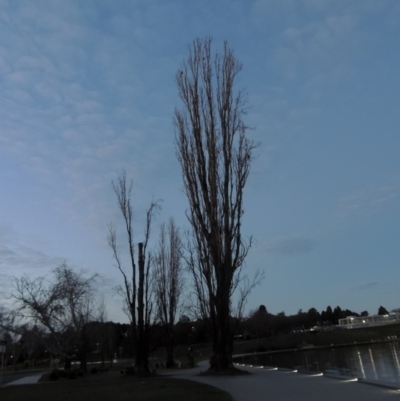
3, 351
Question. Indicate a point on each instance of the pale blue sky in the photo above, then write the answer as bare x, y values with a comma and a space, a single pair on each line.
87, 88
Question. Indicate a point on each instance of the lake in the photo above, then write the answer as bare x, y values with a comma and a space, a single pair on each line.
374, 361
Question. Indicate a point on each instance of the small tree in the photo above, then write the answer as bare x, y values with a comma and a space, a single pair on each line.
136, 287
215, 155
62, 306
382, 311
168, 283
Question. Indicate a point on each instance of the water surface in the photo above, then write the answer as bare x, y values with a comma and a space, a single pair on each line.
374, 361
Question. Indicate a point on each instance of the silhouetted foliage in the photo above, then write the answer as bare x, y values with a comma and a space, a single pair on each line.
260, 323
382, 311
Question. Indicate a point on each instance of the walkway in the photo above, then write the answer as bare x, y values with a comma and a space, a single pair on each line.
26, 379
285, 385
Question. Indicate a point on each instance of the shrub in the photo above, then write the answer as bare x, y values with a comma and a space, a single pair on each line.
72, 374
63, 373
54, 375
78, 372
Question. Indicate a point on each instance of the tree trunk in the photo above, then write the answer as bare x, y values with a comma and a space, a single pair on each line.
222, 339
83, 365
83, 356
141, 343
221, 358
170, 363
67, 363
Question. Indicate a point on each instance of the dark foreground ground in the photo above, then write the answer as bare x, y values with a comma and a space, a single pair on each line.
114, 387
189, 385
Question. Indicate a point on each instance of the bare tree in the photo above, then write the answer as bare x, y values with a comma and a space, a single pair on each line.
62, 306
215, 156
168, 283
136, 287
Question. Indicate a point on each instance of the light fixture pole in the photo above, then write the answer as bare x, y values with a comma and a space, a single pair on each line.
2, 350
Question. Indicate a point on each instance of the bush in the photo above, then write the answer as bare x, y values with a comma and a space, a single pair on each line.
63, 373
54, 375
78, 372
72, 374
94, 371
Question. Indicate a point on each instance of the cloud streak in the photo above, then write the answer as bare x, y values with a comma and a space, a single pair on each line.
17, 259
370, 285
291, 246
367, 202
15, 256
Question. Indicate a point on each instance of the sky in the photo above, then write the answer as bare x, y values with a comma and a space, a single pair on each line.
88, 89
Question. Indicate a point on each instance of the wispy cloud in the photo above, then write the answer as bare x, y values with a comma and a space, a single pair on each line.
73, 113
17, 258
14, 255
363, 287
367, 202
319, 47
291, 246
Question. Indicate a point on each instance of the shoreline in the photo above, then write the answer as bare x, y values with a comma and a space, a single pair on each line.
331, 373
312, 347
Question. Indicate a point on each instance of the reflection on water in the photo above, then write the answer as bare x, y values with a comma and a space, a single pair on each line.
374, 361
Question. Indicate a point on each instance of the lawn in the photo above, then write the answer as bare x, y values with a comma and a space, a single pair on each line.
111, 386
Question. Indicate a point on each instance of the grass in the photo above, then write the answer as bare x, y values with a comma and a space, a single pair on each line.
111, 386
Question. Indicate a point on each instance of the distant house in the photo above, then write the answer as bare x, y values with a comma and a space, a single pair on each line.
353, 322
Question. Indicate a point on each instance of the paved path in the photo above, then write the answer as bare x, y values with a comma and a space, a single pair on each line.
22, 378
285, 385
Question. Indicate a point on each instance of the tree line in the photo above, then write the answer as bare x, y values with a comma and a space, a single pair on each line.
261, 323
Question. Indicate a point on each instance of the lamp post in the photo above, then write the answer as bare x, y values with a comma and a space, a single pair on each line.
2, 350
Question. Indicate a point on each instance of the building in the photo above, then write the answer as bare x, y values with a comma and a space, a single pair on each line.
354, 322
